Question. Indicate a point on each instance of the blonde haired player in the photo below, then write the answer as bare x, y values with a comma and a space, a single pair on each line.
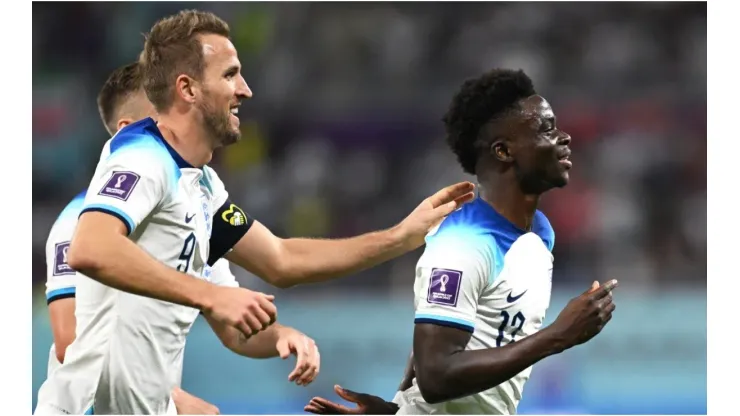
121, 102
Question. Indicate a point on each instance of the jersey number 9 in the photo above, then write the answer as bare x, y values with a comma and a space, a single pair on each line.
186, 254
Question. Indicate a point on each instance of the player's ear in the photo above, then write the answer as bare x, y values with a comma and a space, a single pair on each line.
186, 88
500, 150
123, 122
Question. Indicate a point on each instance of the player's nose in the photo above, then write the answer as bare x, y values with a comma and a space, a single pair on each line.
564, 139
242, 89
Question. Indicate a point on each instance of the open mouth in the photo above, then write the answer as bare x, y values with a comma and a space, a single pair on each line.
564, 159
234, 110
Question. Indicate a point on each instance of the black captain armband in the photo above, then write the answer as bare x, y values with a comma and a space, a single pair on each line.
230, 223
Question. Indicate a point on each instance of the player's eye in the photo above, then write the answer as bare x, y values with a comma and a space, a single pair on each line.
231, 73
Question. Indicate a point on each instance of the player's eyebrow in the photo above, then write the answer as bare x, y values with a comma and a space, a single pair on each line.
232, 70
544, 121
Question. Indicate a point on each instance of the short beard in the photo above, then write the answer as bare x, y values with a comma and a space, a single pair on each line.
218, 126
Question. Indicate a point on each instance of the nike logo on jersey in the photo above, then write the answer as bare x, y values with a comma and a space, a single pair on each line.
512, 299
188, 219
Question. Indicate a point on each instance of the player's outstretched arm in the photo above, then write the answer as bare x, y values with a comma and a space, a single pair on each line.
292, 261
446, 371
277, 340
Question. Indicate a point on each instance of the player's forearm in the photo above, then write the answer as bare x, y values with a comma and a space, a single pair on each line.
318, 260
469, 372
117, 262
63, 321
262, 345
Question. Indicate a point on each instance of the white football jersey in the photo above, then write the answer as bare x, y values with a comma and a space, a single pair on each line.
60, 278
482, 274
127, 355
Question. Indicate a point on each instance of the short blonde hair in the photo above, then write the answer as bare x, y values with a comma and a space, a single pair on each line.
172, 48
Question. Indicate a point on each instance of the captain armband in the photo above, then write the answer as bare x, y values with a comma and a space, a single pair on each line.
230, 223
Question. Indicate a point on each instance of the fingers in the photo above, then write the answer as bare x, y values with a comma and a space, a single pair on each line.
606, 311
264, 319
605, 289
606, 320
253, 323
450, 194
313, 362
314, 365
268, 307
602, 303
260, 312
307, 364
321, 406
245, 329
610, 308
317, 407
312, 408
347, 395
592, 289
449, 207
300, 365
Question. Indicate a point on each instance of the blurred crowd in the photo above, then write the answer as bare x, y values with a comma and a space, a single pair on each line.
344, 133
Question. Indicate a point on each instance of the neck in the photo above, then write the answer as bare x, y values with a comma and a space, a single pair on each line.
187, 137
503, 193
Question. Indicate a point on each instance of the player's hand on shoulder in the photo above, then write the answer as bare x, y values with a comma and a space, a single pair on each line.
248, 311
366, 404
432, 211
308, 360
586, 315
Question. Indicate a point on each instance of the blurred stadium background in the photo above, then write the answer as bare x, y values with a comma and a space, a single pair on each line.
344, 136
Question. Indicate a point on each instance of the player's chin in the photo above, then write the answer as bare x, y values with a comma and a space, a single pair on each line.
232, 137
561, 180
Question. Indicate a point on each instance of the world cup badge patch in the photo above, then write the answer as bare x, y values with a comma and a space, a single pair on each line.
444, 287
61, 267
120, 185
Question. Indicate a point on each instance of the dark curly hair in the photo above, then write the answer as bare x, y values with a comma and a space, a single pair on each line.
479, 101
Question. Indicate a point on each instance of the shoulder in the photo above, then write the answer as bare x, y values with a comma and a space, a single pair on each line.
140, 138
66, 221
141, 148
456, 245
474, 232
